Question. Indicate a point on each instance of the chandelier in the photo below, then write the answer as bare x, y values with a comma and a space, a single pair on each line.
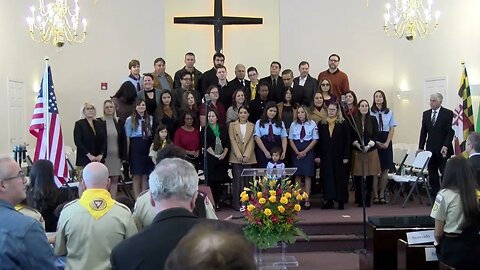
55, 23
410, 18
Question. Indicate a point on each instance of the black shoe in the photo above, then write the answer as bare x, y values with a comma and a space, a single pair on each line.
328, 205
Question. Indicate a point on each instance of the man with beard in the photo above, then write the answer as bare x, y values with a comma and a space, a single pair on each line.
339, 79
210, 77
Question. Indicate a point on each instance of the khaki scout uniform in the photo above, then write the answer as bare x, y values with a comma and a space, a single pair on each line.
31, 212
87, 242
144, 212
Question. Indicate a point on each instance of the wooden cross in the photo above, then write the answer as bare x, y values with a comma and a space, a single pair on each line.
218, 21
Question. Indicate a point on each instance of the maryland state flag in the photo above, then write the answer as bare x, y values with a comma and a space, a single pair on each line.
463, 114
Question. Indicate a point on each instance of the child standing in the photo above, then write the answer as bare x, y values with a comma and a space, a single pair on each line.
276, 163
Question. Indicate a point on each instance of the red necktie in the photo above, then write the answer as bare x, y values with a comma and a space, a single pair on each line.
302, 132
270, 132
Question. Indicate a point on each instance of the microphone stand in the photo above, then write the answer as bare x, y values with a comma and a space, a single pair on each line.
352, 122
205, 157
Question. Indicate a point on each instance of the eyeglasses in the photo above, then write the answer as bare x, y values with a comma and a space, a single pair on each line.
325, 84
20, 174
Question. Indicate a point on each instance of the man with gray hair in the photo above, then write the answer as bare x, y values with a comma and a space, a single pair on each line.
89, 228
23, 243
437, 133
173, 191
473, 148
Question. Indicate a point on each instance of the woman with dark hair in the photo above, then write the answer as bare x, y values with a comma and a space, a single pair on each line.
457, 216
90, 139
270, 131
287, 109
386, 128
187, 137
44, 195
217, 147
166, 112
325, 87
124, 99
242, 155
213, 104
161, 139
238, 100
318, 112
150, 95
116, 152
333, 150
189, 105
364, 158
138, 129
351, 105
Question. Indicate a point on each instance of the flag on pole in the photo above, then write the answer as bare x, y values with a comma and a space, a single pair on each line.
463, 122
45, 127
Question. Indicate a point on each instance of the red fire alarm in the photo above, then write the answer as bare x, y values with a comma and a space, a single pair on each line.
103, 86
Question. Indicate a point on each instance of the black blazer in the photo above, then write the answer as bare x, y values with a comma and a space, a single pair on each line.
88, 141
211, 138
367, 134
226, 93
310, 87
475, 162
208, 78
274, 94
121, 138
438, 135
236, 84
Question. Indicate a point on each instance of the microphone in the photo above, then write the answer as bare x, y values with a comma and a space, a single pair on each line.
343, 102
207, 98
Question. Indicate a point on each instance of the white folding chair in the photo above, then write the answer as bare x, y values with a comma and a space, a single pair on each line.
415, 179
399, 157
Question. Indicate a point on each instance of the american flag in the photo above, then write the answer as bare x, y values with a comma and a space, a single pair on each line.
49, 142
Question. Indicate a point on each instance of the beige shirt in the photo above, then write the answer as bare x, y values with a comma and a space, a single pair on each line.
448, 208
87, 242
144, 213
31, 212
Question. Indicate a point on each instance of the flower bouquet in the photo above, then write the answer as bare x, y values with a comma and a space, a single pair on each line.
271, 212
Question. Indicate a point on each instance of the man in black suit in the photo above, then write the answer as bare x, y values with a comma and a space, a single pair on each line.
274, 82
437, 133
239, 82
473, 148
309, 83
190, 68
297, 90
210, 77
224, 88
173, 191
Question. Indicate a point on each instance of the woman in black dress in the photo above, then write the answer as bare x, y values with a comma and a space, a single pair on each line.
333, 149
166, 113
218, 144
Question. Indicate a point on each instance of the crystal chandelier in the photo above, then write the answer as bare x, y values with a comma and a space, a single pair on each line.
409, 18
55, 23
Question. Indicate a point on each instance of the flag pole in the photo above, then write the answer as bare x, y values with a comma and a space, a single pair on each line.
45, 109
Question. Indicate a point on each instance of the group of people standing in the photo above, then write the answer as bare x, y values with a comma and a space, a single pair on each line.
294, 122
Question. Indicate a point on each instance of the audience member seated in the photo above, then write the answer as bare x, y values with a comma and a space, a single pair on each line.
91, 226
23, 243
212, 247
44, 195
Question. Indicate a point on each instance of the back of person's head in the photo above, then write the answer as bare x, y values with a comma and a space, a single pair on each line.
171, 151
459, 176
474, 141
95, 175
173, 177
42, 191
207, 248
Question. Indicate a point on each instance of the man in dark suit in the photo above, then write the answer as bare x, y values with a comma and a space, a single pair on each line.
309, 83
173, 191
437, 133
473, 148
297, 90
190, 68
210, 77
274, 82
239, 81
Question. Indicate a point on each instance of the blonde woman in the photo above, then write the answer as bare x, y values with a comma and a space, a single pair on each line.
116, 151
89, 137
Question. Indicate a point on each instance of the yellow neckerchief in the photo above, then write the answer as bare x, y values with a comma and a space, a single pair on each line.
19, 207
253, 88
97, 202
331, 124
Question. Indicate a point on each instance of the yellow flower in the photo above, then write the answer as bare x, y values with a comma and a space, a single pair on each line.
288, 195
259, 194
272, 192
283, 200
243, 194
272, 183
244, 198
262, 201
305, 195
297, 207
281, 209
272, 199
299, 197
250, 207
267, 212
